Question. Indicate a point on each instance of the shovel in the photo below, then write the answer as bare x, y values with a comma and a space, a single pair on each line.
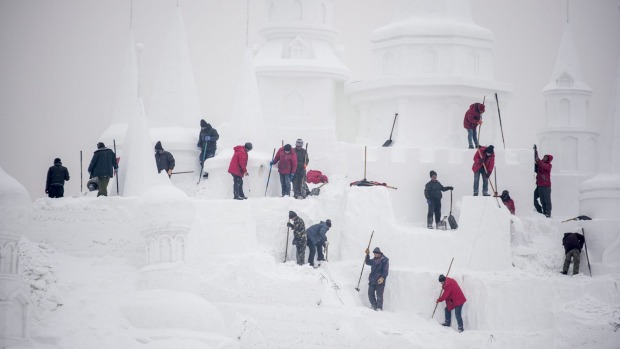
389, 141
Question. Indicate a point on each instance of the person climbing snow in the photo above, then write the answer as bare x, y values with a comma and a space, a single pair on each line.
163, 159
454, 298
56, 177
207, 142
473, 118
102, 165
379, 270
238, 169
317, 239
299, 180
543, 183
299, 235
432, 193
484, 159
287, 167
573, 243
507, 201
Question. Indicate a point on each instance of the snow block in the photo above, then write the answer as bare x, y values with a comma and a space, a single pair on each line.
484, 228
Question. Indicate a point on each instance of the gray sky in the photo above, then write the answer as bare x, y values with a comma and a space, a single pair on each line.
60, 64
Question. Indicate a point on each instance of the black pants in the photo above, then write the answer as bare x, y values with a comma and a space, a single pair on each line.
298, 183
56, 191
313, 250
238, 187
544, 194
206, 154
375, 295
434, 208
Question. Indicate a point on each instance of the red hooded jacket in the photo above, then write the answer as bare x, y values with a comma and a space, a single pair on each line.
543, 175
239, 162
489, 161
473, 115
288, 162
452, 294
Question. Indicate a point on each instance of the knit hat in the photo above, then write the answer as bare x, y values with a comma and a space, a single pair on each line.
377, 250
490, 149
158, 146
329, 223
300, 142
203, 123
292, 214
481, 108
442, 278
287, 147
248, 146
505, 195
57, 161
433, 173
100, 145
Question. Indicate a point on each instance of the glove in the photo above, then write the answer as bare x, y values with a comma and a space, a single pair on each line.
271, 163
290, 225
450, 188
207, 138
380, 281
367, 251
291, 176
428, 202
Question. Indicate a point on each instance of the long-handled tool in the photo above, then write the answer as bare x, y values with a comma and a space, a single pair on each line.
389, 141
288, 229
202, 161
441, 292
116, 171
81, 175
270, 166
182, 172
364, 263
500, 121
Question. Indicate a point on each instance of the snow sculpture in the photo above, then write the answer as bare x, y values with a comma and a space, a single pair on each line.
566, 134
174, 110
429, 64
126, 97
300, 72
599, 197
15, 216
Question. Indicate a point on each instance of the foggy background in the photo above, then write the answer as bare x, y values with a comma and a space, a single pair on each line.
61, 60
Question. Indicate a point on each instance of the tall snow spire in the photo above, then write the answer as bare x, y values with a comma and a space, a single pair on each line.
174, 101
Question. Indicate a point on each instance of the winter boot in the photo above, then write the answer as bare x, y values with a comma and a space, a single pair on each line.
461, 329
445, 324
205, 175
563, 272
430, 226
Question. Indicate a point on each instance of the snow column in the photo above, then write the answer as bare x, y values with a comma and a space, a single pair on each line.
15, 216
599, 197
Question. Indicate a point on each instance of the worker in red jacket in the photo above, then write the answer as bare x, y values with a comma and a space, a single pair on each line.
454, 298
238, 168
484, 160
507, 201
473, 118
287, 160
543, 183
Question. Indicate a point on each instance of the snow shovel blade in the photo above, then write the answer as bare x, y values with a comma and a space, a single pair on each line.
584, 218
452, 222
388, 143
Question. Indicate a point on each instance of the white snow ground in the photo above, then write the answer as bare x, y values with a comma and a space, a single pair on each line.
82, 257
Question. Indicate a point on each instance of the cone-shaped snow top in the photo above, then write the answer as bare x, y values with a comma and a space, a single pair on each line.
567, 70
174, 101
15, 205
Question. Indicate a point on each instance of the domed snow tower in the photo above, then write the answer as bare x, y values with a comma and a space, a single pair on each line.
299, 71
429, 64
566, 134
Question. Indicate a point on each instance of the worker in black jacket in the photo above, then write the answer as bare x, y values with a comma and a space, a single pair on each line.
163, 159
56, 177
573, 243
432, 193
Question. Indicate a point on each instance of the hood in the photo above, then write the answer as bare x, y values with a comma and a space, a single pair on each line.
477, 108
239, 148
549, 157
